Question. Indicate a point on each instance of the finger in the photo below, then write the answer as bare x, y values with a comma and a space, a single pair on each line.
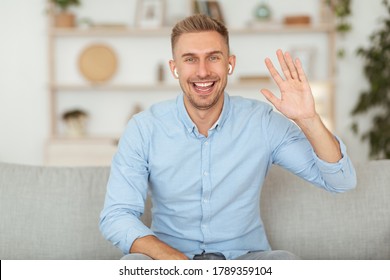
271, 97
301, 73
274, 73
283, 64
291, 66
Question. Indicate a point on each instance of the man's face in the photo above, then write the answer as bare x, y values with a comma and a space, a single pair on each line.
202, 63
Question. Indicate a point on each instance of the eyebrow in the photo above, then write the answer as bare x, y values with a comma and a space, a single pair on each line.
209, 53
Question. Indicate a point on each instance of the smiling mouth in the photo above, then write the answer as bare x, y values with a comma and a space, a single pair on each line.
203, 87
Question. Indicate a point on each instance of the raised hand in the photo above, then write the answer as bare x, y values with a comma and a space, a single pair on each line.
296, 101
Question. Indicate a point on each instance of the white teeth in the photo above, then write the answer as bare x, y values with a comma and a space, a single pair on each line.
203, 84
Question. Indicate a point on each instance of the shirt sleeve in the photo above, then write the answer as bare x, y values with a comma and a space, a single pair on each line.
126, 191
291, 150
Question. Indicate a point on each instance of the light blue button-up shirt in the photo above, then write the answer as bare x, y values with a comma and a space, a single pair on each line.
205, 190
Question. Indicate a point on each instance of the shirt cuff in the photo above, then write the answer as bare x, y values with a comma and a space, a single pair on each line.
330, 167
133, 234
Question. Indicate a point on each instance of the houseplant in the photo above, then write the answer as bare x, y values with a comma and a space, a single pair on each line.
341, 10
62, 16
375, 101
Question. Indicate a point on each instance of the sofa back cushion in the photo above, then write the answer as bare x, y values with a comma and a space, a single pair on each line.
316, 224
52, 213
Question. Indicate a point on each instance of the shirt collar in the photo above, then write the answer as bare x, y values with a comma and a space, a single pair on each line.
189, 124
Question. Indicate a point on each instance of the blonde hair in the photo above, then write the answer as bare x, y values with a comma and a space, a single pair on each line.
198, 23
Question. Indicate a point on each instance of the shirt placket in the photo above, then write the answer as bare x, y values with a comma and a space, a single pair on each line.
206, 192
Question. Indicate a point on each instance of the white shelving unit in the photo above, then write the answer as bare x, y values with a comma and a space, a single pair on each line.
133, 85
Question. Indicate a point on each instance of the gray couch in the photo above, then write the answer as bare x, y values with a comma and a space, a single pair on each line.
53, 212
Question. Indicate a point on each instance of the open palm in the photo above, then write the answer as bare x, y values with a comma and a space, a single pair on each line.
296, 101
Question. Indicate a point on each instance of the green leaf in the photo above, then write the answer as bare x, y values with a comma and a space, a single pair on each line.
376, 99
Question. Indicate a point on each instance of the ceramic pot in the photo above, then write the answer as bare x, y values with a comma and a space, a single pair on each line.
64, 19
262, 12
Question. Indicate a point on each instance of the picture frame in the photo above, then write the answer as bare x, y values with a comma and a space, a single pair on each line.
215, 10
150, 13
211, 8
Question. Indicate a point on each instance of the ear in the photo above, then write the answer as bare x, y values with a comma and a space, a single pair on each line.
172, 66
232, 64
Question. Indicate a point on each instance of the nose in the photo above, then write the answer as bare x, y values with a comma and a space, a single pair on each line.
203, 69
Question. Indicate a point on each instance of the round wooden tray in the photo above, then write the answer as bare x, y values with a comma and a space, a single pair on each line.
98, 63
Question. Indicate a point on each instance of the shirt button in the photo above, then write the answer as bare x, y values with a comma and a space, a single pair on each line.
205, 173
206, 143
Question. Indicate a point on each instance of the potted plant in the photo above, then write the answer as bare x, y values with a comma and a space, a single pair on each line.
62, 16
375, 101
76, 122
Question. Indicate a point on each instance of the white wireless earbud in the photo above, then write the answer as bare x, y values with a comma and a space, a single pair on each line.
230, 69
176, 74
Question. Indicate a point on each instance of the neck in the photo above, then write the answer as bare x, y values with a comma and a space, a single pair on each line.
204, 119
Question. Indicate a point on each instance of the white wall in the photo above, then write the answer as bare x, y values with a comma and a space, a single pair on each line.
350, 78
24, 112
23, 74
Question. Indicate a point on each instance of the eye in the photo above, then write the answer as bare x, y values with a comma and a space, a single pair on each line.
189, 59
213, 58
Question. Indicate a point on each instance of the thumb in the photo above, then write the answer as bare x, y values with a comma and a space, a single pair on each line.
270, 97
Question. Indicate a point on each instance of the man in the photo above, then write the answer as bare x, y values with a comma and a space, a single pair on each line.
204, 156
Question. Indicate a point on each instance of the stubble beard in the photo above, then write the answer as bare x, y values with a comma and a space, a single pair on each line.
202, 104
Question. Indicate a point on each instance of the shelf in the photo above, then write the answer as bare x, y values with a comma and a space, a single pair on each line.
82, 151
283, 29
149, 87
92, 32
103, 139
165, 31
162, 86
140, 87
